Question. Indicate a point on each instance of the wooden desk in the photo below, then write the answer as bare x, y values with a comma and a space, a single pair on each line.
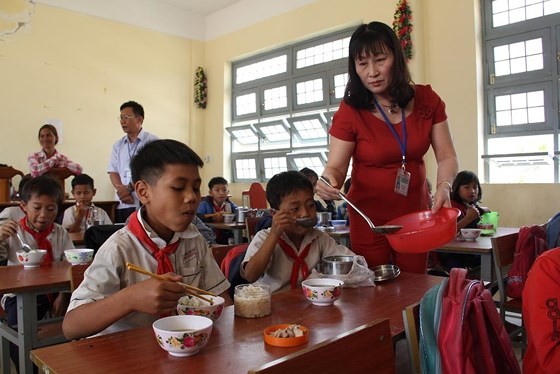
236, 344
27, 284
236, 227
108, 206
482, 247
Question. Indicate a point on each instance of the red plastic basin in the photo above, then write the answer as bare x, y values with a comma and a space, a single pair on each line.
424, 231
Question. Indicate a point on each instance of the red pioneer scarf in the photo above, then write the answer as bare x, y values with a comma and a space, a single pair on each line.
218, 208
41, 239
298, 261
164, 264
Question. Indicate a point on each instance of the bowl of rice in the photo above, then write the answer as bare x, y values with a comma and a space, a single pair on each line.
252, 300
193, 306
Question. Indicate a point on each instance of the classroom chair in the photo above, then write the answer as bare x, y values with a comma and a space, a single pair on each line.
6, 175
411, 318
365, 349
503, 249
251, 226
256, 195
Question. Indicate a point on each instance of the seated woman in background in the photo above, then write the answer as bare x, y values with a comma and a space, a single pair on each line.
48, 157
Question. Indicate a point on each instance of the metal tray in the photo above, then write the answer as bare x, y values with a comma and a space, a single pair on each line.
385, 272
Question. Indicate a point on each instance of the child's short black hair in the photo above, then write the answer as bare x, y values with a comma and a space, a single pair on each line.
26, 178
150, 161
285, 183
309, 173
217, 180
464, 177
42, 185
81, 180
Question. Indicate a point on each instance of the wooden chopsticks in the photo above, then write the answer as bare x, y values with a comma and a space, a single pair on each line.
191, 290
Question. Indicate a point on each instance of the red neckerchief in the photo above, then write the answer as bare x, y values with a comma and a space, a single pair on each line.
298, 261
41, 239
164, 264
218, 208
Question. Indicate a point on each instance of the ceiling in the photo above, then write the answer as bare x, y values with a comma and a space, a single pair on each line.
191, 19
201, 7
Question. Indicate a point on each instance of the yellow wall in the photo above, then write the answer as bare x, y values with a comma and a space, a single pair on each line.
80, 69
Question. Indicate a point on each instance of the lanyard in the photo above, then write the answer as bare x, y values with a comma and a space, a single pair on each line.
136, 142
402, 144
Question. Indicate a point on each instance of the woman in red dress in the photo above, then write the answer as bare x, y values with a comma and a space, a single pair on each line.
386, 124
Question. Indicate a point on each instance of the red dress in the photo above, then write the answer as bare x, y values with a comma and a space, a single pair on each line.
376, 159
541, 314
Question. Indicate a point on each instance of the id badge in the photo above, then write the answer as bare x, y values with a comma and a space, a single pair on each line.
402, 182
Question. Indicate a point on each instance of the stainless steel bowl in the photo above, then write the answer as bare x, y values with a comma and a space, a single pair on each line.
337, 265
385, 272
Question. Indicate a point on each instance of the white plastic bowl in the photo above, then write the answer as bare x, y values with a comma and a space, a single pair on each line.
322, 291
470, 234
338, 224
79, 256
32, 258
204, 309
182, 335
228, 217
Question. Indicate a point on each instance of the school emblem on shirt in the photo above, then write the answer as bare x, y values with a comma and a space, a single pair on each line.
554, 315
189, 255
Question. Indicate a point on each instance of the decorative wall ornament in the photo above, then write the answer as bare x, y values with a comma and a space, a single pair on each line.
402, 26
14, 16
200, 88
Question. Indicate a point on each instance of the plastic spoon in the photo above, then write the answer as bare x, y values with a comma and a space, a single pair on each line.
388, 229
24, 246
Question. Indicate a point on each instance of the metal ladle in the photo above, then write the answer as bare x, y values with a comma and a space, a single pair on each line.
24, 247
387, 229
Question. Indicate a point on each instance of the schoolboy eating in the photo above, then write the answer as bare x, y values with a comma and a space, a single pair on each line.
159, 238
77, 217
285, 254
41, 198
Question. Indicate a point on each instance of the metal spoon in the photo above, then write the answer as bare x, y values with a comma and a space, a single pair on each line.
387, 229
307, 221
24, 246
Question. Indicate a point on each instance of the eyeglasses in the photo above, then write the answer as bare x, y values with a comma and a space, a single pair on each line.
125, 118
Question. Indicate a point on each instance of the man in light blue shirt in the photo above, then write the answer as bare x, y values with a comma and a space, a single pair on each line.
131, 119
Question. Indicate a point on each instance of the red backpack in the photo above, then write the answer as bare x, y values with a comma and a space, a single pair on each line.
530, 244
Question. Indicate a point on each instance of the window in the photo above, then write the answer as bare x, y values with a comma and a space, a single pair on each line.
282, 105
522, 67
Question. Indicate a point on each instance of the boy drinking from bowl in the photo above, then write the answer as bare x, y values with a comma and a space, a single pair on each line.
159, 238
77, 217
285, 254
41, 198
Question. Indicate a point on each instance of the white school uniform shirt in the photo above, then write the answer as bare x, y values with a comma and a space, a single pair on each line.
59, 239
108, 274
70, 217
278, 273
121, 155
14, 213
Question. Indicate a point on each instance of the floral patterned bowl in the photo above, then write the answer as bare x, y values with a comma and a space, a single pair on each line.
322, 291
78, 256
31, 259
182, 335
190, 305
